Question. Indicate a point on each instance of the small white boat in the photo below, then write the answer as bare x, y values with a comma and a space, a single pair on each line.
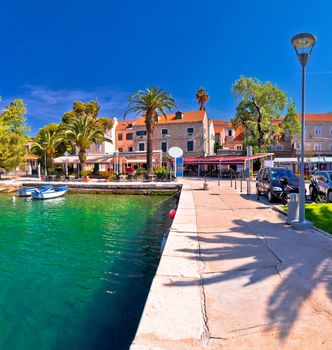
55, 192
27, 192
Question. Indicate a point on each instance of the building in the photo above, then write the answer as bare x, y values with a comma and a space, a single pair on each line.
191, 131
318, 134
227, 136
124, 136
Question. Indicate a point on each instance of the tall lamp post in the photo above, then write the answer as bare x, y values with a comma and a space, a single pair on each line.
303, 44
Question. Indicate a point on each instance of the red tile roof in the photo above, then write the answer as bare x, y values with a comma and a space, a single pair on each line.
239, 133
188, 117
222, 123
318, 117
124, 124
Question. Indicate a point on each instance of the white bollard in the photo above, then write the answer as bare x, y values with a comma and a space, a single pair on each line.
293, 213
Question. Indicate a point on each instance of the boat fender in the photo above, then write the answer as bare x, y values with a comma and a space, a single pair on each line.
163, 243
172, 213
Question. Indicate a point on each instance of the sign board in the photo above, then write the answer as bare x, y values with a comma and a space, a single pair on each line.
249, 150
179, 167
239, 168
175, 152
269, 163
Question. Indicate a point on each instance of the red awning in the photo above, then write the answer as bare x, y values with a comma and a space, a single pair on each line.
232, 160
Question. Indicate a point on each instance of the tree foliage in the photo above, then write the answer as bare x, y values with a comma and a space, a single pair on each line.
48, 140
291, 120
150, 103
13, 135
81, 127
260, 105
202, 97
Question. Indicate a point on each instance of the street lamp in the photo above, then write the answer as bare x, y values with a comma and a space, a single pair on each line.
45, 170
303, 44
66, 155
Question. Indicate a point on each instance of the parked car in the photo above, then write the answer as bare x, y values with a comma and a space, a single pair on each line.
272, 182
322, 181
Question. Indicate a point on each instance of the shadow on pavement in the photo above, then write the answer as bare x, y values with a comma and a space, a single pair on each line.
299, 264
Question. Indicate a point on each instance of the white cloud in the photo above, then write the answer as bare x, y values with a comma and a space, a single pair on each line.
46, 105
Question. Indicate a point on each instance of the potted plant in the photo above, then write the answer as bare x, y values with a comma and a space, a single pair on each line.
109, 176
85, 173
160, 172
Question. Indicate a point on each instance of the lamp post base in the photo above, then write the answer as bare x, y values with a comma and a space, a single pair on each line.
301, 225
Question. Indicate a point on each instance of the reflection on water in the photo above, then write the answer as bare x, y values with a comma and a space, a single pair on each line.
75, 271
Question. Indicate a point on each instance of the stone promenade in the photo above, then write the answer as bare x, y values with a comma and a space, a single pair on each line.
234, 276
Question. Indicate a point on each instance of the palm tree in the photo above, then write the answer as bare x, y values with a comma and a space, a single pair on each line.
83, 132
149, 103
47, 141
202, 97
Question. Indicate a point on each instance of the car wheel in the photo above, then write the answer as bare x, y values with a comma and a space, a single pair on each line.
312, 193
270, 196
329, 196
322, 198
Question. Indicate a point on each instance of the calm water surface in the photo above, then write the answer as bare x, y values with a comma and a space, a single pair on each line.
75, 271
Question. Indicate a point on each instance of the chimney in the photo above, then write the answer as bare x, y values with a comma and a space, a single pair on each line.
179, 115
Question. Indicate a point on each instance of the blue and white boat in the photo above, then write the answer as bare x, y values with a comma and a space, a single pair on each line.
27, 192
52, 193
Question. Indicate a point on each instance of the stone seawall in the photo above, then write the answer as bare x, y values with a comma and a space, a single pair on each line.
115, 187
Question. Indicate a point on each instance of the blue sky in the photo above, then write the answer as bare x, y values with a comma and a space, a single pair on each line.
55, 52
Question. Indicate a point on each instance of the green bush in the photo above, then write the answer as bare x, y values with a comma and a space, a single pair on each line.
160, 171
85, 172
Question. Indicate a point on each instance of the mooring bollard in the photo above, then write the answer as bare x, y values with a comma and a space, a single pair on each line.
205, 185
231, 180
235, 182
241, 184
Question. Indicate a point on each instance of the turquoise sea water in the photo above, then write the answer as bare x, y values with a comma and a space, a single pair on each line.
75, 271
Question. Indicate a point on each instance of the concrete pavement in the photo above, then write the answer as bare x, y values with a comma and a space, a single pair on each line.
234, 276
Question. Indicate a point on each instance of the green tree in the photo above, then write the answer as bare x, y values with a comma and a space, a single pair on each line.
48, 140
81, 127
260, 105
291, 121
149, 103
13, 135
202, 97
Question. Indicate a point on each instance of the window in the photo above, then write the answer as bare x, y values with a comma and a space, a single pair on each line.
120, 149
330, 130
141, 146
190, 130
330, 147
239, 148
120, 137
164, 146
129, 136
230, 132
164, 131
317, 147
190, 146
141, 133
318, 130
97, 148
130, 149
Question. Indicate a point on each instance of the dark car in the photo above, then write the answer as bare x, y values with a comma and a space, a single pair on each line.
323, 181
273, 181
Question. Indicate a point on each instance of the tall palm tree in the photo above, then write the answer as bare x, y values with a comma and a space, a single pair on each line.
202, 97
149, 103
83, 132
47, 141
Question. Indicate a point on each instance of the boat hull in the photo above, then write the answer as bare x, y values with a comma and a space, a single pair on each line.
54, 193
27, 192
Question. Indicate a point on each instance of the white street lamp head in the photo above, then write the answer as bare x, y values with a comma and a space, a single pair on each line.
303, 44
